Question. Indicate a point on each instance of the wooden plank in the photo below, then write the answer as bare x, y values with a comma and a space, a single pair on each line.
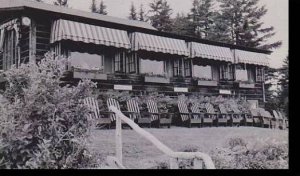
32, 41
119, 140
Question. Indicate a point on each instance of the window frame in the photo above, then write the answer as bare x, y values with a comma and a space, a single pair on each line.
119, 62
9, 55
187, 68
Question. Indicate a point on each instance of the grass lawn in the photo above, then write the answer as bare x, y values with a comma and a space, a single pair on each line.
138, 153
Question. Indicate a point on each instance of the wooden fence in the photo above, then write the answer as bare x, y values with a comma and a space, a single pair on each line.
200, 160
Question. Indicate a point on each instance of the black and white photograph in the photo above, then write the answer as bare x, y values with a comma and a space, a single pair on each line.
144, 84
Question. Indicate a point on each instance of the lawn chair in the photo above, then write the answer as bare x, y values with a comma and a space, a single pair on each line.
158, 117
224, 117
243, 118
257, 120
115, 103
197, 115
184, 113
211, 112
285, 119
206, 119
266, 117
188, 118
101, 122
135, 114
278, 120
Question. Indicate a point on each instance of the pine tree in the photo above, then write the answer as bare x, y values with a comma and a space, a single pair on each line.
242, 18
132, 14
283, 82
160, 15
102, 8
182, 25
93, 6
61, 3
142, 14
202, 17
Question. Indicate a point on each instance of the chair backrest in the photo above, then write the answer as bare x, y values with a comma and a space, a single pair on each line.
276, 115
92, 103
254, 112
281, 115
209, 108
196, 109
222, 109
235, 109
182, 106
133, 106
264, 113
152, 108
115, 103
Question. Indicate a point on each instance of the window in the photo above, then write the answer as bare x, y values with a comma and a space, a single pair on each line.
118, 62
8, 55
152, 67
259, 74
201, 71
226, 72
86, 60
131, 63
241, 73
187, 68
177, 67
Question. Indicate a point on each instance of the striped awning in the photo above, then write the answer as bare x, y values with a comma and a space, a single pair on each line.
148, 42
248, 57
210, 52
75, 31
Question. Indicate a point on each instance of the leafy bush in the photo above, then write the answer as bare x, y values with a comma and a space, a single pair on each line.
43, 125
239, 155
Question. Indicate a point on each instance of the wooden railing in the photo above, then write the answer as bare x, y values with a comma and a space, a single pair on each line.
199, 158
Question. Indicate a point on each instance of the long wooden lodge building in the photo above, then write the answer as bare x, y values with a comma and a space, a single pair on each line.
128, 55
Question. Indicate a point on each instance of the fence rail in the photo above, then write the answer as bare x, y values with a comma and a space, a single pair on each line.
197, 157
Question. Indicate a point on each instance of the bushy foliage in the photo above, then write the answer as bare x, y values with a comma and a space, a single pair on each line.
238, 154
43, 124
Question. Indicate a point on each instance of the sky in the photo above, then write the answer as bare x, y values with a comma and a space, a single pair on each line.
277, 16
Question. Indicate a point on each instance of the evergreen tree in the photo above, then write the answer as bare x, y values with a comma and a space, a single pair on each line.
242, 18
182, 25
160, 15
142, 14
93, 6
132, 14
102, 8
283, 82
202, 18
61, 3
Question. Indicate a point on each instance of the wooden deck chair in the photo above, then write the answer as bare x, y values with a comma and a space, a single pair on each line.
184, 113
285, 119
257, 120
243, 118
278, 120
115, 103
101, 121
211, 112
266, 117
224, 117
134, 110
156, 117
197, 115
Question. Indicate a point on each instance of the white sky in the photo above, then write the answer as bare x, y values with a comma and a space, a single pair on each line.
276, 16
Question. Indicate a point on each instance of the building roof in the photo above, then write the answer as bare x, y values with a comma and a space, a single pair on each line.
108, 21
22, 4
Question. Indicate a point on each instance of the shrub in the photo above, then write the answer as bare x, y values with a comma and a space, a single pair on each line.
43, 125
239, 155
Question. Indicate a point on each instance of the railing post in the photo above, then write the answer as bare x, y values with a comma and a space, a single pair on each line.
119, 139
